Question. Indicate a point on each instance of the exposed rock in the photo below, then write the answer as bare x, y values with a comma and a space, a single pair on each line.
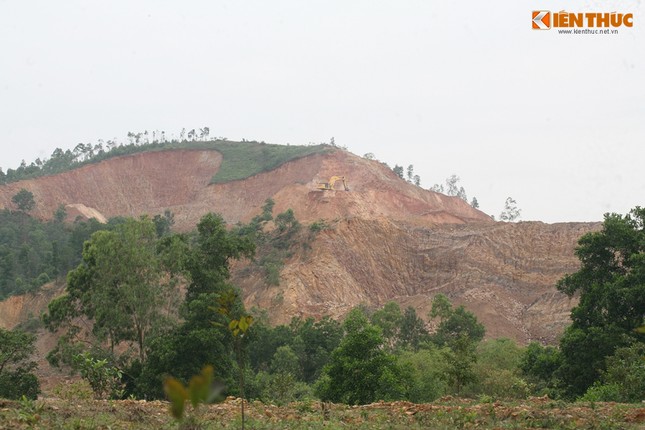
504, 273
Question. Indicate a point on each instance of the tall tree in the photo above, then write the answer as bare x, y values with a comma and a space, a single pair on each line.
196, 342
460, 331
208, 263
451, 185
359, 370
511, 212
120, 286
388, 319
611, 287
24, 200
413, 331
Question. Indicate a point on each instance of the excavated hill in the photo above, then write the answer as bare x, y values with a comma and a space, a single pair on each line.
504, 273
179, 180
387, 240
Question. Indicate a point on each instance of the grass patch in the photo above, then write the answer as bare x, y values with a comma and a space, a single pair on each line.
241, 160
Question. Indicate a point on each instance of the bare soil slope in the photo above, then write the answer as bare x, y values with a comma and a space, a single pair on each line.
144, 183
504, 273
149, 183
389, 240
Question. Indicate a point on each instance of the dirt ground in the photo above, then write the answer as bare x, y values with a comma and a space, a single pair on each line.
447, 413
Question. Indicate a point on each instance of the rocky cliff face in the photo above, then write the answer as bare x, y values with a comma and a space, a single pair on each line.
388, 240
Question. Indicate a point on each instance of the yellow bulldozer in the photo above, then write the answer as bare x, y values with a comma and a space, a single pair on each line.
332, 181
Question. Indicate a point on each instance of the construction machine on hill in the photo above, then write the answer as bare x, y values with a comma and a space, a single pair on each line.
332, 181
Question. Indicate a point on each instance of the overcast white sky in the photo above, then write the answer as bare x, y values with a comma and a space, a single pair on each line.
555, 121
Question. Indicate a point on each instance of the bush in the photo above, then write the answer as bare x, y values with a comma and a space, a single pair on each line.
599, 392
425, 371
16, 379
17, 384
624, 379
104, 379
318, 226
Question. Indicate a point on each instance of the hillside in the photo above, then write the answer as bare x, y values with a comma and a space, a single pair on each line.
180, 180
504, 273
387, 240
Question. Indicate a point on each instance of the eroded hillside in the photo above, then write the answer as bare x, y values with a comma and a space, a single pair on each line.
179, 180
387, 239
504, 273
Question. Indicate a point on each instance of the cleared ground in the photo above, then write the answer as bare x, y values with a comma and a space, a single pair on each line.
448, 413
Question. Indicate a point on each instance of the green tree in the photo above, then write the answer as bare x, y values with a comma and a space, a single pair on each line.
611, 287
238, 327
360, 371
461, 359
264, 341
511, 212
285, 361
163, 223
60, 213
24, 200
539, 366
388, 319
498, 370
314, 341
410, 172
186, 349
16, 377
413, 331
120, 286
398, 170
452, 189
624, 379
426, 372
460, 331
437, 188
455, 323
104, 379
208, 262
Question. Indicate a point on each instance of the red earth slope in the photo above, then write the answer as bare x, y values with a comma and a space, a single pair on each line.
388, 240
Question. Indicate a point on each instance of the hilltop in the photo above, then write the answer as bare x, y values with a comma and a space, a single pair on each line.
191, 182
385, 239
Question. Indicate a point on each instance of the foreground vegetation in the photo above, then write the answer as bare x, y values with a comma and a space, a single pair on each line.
448, 413
126, 331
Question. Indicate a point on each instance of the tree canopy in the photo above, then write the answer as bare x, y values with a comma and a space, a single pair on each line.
359, 370
119, 285
16, 379
24, 200
611, 287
